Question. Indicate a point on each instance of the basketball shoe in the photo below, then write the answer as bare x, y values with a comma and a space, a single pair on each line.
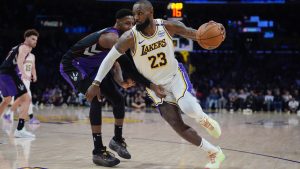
120, 148
211, 126
105, 158
34, 120
215, 159
23, 134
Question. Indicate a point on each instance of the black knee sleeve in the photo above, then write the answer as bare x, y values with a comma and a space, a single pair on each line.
95, 112
119, 107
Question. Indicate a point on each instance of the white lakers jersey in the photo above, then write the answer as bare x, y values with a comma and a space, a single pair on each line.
28, 63
154, 55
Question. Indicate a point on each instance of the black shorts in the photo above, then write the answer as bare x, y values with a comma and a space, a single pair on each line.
80, 82
11, 85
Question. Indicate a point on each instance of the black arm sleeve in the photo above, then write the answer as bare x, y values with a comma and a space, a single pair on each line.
129, 69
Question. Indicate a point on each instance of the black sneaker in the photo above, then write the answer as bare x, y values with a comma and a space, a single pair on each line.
120, 148
105, 158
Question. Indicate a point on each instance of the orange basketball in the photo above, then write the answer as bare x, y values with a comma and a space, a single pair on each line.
210, 35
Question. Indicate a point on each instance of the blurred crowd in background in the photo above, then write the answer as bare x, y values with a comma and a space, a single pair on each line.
247, 72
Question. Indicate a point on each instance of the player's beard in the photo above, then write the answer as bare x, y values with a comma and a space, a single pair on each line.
142, 26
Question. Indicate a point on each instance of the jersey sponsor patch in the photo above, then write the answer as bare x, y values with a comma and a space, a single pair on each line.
161, 33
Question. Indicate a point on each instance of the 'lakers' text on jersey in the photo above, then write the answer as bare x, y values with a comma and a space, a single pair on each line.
154, 55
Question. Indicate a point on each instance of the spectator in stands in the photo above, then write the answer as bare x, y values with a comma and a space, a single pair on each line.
222, 99
293, 105
139, 101
250, 103
277, 102
73, 99
286, 97
212, 99
269, 98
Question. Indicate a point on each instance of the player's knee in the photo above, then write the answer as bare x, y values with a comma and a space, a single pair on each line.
118, 101
119, 112
184, 106
193, 110
6, 100
25, 98
95, 118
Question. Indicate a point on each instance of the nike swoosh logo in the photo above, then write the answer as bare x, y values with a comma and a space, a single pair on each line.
140, 42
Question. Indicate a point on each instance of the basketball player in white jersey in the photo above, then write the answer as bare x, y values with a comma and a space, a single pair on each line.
151, 46
30, 71
11, 84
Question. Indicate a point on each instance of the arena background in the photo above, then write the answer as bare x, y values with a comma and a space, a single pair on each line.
260, 53
250, 85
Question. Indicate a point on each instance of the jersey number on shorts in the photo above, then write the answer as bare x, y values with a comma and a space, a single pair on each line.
161, 57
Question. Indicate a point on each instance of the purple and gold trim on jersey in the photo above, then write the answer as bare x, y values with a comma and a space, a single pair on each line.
66, 77
188, 85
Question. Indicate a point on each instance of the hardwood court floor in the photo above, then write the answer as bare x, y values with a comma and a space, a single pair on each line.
267, 141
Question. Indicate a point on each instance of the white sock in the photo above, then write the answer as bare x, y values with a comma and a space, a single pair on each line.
30, 111
208, 147
8, 112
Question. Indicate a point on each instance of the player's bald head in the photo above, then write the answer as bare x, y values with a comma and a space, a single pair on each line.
145, 3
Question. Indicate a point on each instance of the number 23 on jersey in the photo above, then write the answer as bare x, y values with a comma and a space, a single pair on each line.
158, 60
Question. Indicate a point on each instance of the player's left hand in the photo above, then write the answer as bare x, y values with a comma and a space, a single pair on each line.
128, 83
34, 78
223, 30
92, 91
159, 90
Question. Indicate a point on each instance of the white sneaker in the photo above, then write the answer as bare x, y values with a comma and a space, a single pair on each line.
215, 159
23, 134
211, 126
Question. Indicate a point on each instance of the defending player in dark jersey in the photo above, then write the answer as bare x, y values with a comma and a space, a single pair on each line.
10, 82
79, 67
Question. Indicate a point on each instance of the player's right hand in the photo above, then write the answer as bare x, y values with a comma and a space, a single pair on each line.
158, 89
92, 91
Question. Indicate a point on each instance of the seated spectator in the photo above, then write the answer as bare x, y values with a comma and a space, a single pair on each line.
73, 99
293, 105
269, 98
139, 101
250, 103
286, 97
212, 99
231, 105
46, 97
277, 102
56, 97
222, 99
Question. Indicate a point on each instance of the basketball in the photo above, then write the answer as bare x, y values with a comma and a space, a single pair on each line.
210, 35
